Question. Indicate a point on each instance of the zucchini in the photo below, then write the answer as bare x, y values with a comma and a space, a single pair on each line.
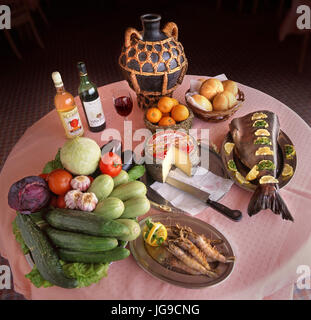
129, 190
135, 207
101, 186
134, 228
110, 208
85, 222
121, 178
94, 257
80, 242
43, 254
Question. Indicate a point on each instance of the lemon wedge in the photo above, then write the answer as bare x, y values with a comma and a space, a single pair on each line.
287, 170
289, 151
264, 151
261, 123
259, 115
240, 178
232, 165
158, 231
268, 179
252, 175
262, 132
228, 147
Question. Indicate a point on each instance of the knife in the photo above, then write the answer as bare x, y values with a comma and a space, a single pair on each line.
234, 215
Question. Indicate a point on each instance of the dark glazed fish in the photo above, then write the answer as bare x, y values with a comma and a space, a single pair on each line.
255, 137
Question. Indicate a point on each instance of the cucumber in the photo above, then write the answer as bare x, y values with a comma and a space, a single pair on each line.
94, 257
134, 228
80, 242
110, 208
43, 254
85, 222
135, 207
101, 186
121, 178
129, 190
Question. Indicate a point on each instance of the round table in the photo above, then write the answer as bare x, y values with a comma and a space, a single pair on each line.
268, 250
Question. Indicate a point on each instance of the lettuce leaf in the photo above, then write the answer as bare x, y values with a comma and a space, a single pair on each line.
19, 238
86, 274
53, 164
35, 277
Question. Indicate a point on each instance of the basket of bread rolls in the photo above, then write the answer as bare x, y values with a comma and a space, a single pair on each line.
214, 100
168, 114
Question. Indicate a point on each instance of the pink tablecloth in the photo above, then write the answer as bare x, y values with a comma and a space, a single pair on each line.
268, 249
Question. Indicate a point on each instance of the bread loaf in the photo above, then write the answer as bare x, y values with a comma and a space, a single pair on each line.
224, 101
210, 88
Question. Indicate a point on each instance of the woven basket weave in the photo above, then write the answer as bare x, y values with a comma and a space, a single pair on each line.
217, 116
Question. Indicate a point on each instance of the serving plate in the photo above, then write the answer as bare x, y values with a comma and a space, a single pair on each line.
283, 139
154, 268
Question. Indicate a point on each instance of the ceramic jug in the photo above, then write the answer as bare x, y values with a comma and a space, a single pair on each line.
153, 61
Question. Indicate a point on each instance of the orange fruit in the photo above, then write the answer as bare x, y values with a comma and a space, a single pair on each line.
154, 115
167, 114
180, 112
166, 121
166, 104
175, 101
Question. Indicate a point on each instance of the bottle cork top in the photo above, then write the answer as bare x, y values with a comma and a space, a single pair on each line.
57, 79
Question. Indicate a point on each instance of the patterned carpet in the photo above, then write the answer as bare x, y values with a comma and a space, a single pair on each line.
242, 45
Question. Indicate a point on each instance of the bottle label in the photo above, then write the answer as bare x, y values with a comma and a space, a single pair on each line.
72, 122
94, 112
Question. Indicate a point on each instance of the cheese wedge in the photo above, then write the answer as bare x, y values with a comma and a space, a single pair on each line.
168, 148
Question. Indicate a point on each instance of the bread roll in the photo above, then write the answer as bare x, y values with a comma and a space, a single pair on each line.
201, 101
210, 88
224, 101
231, 86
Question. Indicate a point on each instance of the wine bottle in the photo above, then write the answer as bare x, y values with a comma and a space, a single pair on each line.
66, 108
91, 103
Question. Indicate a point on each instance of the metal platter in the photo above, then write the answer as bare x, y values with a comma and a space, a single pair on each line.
151, 266
283, 140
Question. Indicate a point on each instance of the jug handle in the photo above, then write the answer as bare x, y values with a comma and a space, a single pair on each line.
128, 36
171, 30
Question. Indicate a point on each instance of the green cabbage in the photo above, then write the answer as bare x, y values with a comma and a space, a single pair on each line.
80, 156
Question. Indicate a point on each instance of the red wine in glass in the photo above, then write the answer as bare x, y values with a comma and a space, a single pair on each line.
123, 105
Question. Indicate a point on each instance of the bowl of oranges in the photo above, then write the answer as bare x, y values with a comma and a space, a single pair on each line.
168, 114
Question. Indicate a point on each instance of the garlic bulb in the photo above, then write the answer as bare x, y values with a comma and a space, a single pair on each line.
87, 201
71, 199
81, 183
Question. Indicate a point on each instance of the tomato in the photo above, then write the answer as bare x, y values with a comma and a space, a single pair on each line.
59, 181
60, 202
91, 178
44, 176
111, 164
53, 201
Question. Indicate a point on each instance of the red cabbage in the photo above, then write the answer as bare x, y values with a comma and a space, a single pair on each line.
29, 194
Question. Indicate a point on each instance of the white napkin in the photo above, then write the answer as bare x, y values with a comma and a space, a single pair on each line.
203, 179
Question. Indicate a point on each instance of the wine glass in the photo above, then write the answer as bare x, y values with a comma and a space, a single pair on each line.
123, 102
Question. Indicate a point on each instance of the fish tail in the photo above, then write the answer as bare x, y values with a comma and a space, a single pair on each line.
267, 196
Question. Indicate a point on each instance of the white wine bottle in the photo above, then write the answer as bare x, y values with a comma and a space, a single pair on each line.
91, 103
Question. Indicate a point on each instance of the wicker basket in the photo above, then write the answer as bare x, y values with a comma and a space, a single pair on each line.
217, 116
186, 124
